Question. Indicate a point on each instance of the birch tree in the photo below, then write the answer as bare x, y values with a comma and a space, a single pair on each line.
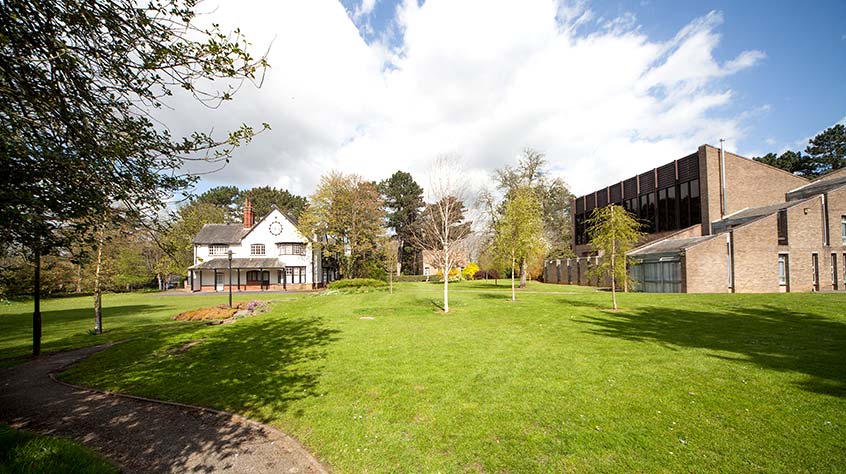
442, 225
519, 232
613, 232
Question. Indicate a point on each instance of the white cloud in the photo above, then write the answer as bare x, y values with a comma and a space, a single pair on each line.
478, 78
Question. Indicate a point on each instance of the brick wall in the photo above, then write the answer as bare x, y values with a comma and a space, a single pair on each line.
743, 184
705, 267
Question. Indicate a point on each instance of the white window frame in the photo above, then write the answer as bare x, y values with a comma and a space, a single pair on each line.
843, 230
218, 250
782, 269
291, 248
257, 250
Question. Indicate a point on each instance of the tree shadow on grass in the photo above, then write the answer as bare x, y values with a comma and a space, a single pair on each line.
149, 437
771, 337
73, 325
256, 366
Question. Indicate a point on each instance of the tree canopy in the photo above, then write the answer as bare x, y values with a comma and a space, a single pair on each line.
78, 81
519, 232
825, 152
613, 232
346, 217
404, 202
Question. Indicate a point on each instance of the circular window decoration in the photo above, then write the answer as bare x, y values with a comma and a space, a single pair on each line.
276, 228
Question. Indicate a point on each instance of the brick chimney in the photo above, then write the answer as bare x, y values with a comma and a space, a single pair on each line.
249, 215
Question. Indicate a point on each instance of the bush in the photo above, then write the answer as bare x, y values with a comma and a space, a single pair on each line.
357, 283
489, 274
410, 278
469, 271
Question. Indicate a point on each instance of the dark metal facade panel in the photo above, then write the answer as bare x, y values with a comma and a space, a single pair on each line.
647, 182
667, 175
630, 188
580, 205
615, 193
590, 202
602, 198
688, 167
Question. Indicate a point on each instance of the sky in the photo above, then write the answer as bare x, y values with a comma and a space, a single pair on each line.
605, 89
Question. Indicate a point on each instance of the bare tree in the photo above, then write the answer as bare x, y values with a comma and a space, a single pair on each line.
442, 226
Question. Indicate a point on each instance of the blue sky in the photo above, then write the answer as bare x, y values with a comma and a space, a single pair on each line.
792, 94
606, 89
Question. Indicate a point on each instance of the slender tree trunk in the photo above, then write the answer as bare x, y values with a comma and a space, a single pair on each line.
78, 278
98, 301
390, 282
160, 281
523, 266
513, 295
399, 257
36, 302
614, 274
446, 291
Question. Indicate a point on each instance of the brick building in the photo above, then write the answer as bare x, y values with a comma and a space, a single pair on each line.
718, 222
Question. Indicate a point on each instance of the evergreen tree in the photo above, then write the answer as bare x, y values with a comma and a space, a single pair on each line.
404, 202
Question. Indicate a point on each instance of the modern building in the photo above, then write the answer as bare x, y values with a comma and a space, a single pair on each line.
718, 222
270, 254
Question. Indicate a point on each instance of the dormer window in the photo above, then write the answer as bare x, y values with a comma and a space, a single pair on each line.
216, 250
256, 249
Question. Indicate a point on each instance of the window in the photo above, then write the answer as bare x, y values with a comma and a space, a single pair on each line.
843, 230
684, 205
695, 208
254, 276
672, 209
782, 226
257, 249
834, 271
218, 249
782, 269
294, 248
815, 271
295, 274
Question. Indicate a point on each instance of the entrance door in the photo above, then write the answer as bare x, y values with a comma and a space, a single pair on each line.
218, 281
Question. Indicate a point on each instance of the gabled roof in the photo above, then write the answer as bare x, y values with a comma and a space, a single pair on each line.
751, 214
221, 234
823, 184
669, 246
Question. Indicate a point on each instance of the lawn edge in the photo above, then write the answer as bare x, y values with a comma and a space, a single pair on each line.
233, 416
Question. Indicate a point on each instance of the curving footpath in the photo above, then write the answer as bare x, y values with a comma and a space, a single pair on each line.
141, 435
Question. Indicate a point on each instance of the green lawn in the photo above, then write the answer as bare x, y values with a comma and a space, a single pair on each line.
27, 453
551, 383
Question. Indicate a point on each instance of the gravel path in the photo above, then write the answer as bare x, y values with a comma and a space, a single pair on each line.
140, 435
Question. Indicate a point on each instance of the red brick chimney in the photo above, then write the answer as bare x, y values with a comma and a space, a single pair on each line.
249, 215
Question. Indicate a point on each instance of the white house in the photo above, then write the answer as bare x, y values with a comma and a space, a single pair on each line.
270, 254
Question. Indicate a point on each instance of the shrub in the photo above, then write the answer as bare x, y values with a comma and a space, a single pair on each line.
489, 274
469, 271
357, 283
410, 278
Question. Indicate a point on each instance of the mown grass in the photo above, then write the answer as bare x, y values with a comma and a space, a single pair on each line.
26, 453
66, 321
374, 382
